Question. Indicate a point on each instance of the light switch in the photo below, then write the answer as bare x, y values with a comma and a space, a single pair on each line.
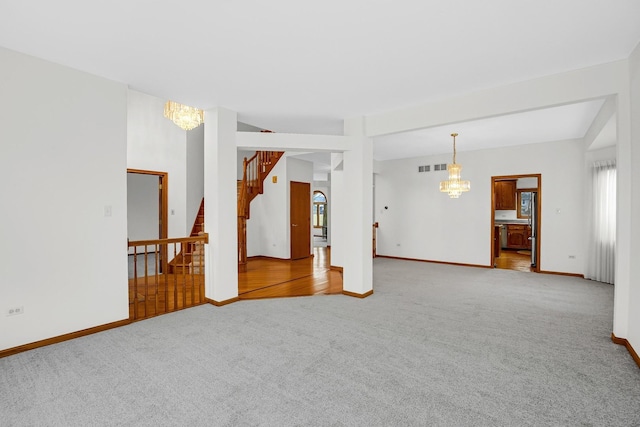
107, 210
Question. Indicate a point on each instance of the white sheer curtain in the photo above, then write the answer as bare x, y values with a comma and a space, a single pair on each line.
602, 235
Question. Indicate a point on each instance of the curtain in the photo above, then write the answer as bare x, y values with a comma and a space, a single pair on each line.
602, 233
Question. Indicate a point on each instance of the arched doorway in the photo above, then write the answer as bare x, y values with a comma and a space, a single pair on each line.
319, 218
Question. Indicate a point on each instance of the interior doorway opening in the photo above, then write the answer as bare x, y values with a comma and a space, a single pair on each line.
319, 221
515, 222
147, 204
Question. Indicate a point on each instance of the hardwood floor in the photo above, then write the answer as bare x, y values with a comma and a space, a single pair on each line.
513, 260
274, 278
266, 278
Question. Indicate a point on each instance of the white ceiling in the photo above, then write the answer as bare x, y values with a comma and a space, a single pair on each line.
551, 124
297, 66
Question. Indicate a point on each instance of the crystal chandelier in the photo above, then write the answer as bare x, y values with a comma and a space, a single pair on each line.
454, 185
184, 116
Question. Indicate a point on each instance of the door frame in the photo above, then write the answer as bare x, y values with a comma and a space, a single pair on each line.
535, 269
163, 191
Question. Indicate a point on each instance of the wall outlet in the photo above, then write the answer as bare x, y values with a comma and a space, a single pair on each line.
13, 311
572, 257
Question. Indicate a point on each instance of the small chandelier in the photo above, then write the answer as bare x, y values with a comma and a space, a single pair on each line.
454, 185
184, 116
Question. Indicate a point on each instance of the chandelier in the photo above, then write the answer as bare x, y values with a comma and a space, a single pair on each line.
454, 185
184, 116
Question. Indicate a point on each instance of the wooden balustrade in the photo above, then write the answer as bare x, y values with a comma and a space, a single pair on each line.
242, 244
157, 285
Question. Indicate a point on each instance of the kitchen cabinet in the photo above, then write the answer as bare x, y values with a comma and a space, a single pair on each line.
518, 236
505, 195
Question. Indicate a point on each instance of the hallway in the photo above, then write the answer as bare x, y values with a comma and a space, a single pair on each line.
275, 278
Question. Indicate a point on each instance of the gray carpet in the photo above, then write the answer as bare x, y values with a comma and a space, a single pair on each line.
436, 345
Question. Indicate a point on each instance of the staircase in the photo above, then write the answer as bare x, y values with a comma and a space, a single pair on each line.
190, 259
255, 171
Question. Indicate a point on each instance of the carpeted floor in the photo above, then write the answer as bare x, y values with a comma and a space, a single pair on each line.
436, 345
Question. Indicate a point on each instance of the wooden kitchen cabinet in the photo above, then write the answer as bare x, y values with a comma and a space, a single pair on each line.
518, 236
505, 195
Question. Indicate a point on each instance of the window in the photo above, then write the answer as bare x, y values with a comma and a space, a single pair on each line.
601, 261
524, 202
319, 209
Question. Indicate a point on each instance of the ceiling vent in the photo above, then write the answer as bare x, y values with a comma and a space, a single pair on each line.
425, 168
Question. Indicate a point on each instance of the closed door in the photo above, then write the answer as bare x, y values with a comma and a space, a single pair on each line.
300, 217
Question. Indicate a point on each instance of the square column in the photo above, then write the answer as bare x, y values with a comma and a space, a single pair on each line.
358, 211
337, 210
220, 206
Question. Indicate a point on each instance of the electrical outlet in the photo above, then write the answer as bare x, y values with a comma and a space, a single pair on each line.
572, 257
13, 311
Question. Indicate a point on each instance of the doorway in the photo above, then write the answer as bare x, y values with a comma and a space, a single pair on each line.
320, 215
515, 222
147, 208
300, 219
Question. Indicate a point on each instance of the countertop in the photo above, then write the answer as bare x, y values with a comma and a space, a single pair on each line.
511, 221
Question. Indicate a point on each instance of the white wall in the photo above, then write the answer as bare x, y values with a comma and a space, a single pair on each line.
155, 143
62, 171
143, 210
423, 223
268, 231
634, 295
608, 153
268, 226
195, 174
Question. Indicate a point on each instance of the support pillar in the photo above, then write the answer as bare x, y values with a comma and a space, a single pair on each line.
358, 212
220, 206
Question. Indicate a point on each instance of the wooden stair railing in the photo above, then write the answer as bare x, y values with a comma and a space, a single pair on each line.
156, 288
254, 171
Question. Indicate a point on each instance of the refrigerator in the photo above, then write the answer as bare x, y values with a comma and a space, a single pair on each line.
533, 227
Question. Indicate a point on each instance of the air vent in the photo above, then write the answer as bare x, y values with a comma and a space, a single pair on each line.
440, 167
425, 168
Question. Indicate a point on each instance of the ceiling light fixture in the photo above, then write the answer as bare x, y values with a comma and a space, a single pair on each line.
184, 116
454, 185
